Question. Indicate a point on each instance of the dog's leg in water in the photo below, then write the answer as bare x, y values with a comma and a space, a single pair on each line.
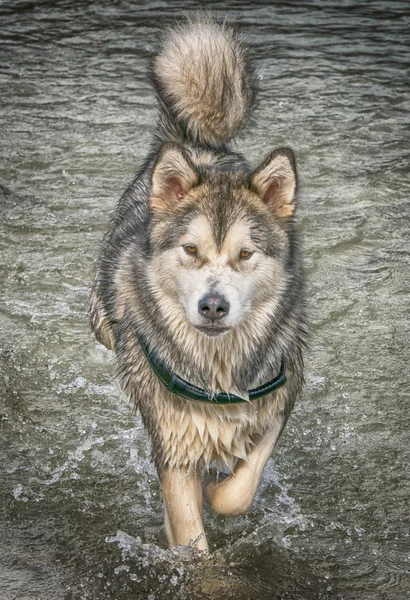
234, 495
182, 496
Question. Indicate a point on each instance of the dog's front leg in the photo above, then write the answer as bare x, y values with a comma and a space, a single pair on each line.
234, 495
182, 496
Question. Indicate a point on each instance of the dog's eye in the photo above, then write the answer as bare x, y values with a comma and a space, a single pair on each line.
190, 249
245, 254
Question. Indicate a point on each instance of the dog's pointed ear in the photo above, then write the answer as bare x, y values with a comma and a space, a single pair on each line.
275, 182
172, 178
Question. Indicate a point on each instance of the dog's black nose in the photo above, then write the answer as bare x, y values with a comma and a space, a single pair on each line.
213, 307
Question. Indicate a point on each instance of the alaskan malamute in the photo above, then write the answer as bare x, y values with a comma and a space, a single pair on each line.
199, 289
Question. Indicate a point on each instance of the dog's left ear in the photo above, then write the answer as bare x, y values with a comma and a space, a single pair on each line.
172, 178
275, 182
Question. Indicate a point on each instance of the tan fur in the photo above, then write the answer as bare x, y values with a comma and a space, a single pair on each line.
182, 496
197, 433
276, 185
234, 495
182, 492
190, 70
172, 167
99, 321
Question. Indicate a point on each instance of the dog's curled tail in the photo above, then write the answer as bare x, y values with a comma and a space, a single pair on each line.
204, 82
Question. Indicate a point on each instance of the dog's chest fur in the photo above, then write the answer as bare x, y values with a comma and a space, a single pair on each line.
194, 433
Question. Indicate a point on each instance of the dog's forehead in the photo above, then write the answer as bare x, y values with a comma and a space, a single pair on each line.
238, 234
202, 230
199, 230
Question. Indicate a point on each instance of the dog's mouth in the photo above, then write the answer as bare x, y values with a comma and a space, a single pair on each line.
212, 330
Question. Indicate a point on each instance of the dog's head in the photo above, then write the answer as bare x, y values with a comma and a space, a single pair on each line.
219, 239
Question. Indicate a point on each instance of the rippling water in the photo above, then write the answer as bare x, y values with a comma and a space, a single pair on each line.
80, 508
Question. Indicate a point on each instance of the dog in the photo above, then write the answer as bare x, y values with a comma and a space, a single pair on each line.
199, 289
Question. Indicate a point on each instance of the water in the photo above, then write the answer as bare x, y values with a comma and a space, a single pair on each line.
80, 513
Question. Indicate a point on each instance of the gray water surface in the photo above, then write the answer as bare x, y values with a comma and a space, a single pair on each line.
81, 516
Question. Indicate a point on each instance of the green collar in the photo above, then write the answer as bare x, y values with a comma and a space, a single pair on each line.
179, 386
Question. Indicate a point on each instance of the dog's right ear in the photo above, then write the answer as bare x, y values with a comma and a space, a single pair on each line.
173, 177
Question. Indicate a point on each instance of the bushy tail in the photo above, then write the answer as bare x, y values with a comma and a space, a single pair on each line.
203, 78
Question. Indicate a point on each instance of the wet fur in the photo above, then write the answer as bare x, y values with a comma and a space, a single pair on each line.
134, 290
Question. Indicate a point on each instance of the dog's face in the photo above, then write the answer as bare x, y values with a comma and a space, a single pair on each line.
219, 240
